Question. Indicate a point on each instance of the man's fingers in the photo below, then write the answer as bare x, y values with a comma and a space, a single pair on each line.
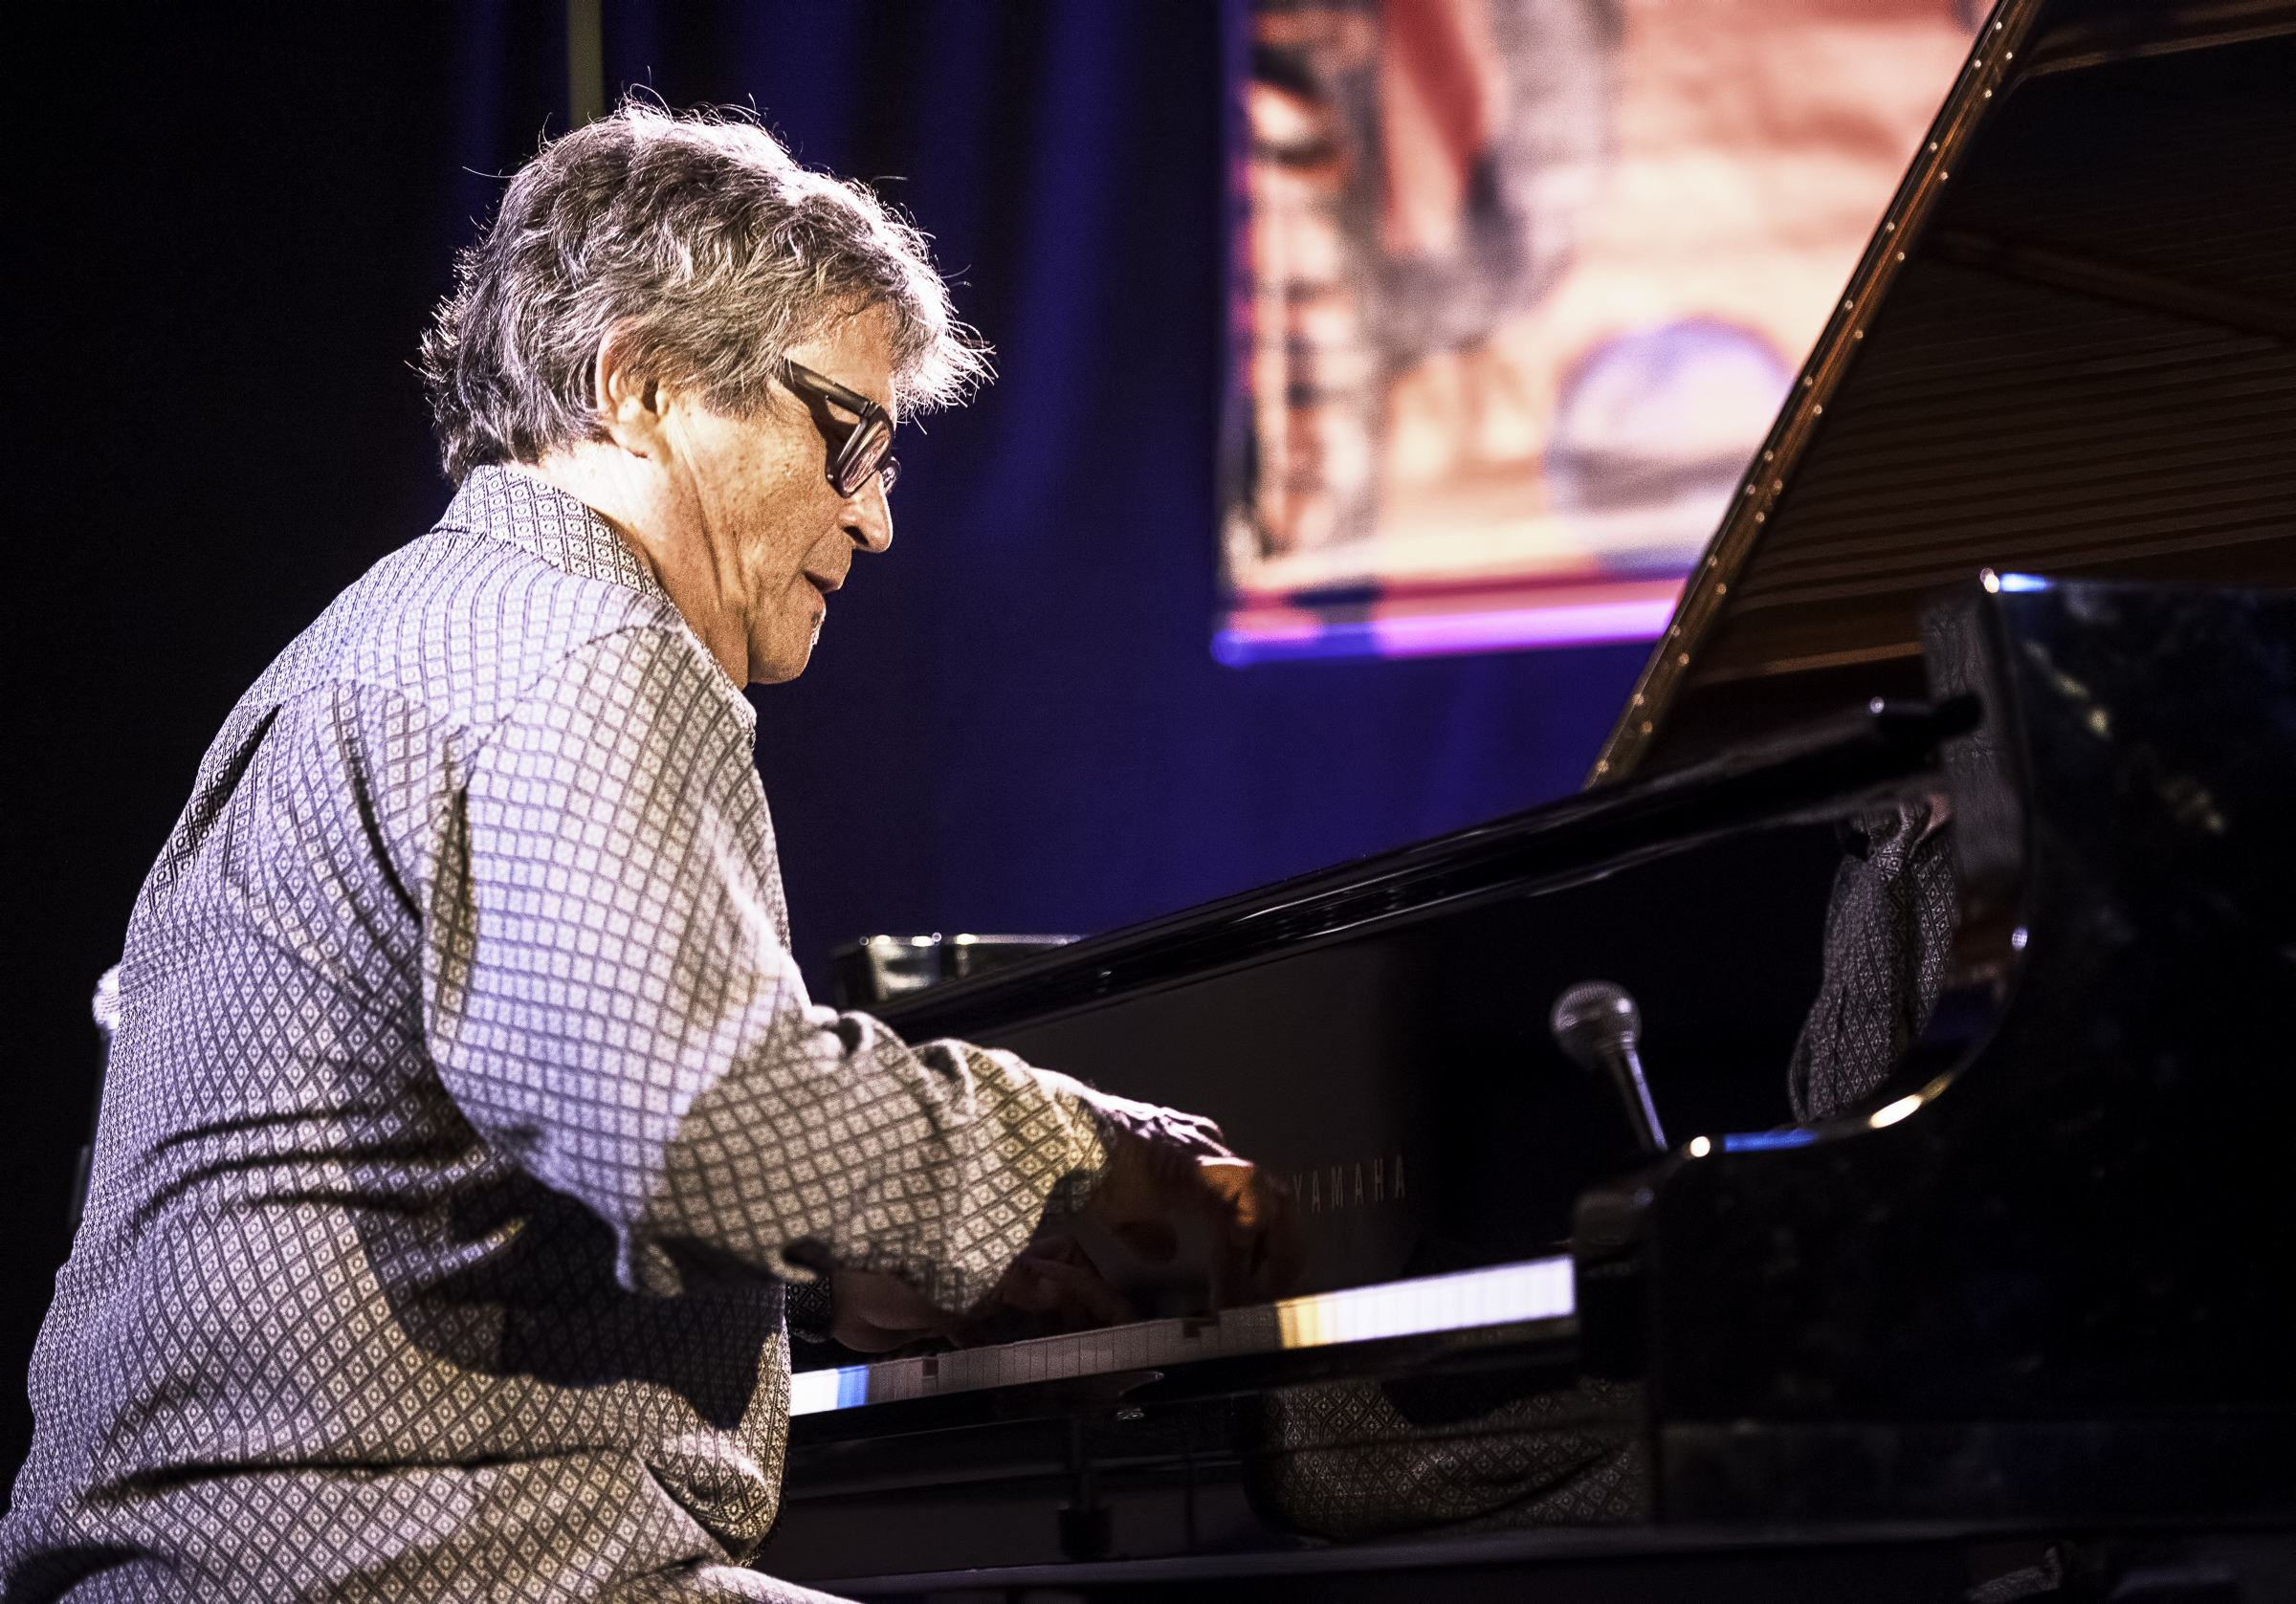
1154, 1240
1068, 1285
1262, 1251
1233, 1183
1256, 1245
874, 1311
1079, 1290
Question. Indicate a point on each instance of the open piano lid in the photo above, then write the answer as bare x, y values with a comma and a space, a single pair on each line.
2070, 348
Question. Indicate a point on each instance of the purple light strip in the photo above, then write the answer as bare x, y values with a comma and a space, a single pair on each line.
1433, 634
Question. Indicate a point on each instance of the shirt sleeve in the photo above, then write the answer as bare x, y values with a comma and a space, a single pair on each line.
609, 998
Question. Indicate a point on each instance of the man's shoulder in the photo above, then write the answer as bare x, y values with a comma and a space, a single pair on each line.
465, 623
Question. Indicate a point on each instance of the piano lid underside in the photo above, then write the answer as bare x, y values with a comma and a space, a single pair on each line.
2087, 366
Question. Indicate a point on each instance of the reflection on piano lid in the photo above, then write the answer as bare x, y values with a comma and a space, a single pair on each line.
1504, 1295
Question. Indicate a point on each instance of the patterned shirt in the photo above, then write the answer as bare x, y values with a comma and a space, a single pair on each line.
466, 1115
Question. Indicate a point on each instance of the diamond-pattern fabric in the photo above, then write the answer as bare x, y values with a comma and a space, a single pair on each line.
466, 1115
1344, 1461
1888, 941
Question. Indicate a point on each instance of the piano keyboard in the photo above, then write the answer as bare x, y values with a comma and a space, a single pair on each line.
1508, 1294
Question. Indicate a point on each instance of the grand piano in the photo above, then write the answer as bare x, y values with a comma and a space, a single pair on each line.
2011, 1323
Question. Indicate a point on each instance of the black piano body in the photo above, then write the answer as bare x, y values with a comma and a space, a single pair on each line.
2030, 1288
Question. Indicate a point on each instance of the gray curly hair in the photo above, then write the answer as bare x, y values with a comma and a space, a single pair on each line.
714, 248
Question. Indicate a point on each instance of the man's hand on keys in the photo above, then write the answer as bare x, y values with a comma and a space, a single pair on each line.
1155, 1179
1256, 1247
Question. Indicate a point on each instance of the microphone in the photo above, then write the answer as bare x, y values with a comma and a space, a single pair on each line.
1597, 1025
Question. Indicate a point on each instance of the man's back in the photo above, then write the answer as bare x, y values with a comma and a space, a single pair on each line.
300, 1263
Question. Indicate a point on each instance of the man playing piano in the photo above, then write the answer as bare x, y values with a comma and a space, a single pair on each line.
468, 1118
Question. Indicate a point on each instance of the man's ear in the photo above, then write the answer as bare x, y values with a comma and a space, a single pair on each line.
629, 401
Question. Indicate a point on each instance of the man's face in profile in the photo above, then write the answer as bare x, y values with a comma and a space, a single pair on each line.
779, 536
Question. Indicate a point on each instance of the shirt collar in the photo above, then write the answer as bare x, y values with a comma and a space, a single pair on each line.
545, 521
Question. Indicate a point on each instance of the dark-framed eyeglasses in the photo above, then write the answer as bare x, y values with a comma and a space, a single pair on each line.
858, 447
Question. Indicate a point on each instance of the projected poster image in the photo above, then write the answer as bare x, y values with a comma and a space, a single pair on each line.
1520, 285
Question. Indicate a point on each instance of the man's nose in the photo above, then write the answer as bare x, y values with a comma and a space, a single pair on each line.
869, 516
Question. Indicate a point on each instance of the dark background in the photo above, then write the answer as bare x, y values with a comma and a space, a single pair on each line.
229, 228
